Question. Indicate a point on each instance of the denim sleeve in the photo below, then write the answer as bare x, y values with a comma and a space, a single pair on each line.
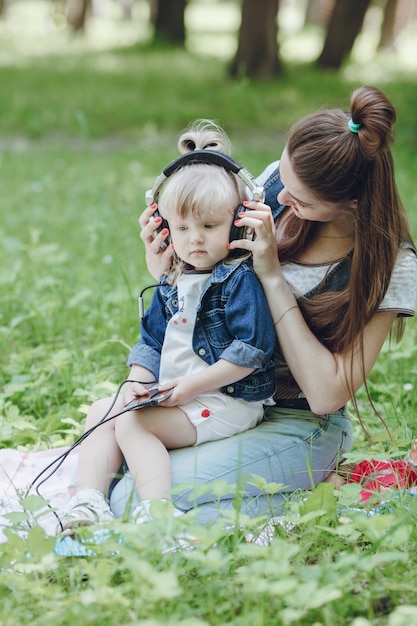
144, 355
273, 185
147, 352
249, 321
241, 353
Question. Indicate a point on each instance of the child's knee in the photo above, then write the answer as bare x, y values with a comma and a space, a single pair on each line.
98, 411
123, 427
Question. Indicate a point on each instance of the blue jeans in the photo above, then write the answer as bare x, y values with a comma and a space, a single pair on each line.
293, 447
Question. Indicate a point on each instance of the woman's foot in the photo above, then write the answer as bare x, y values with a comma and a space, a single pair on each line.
173, 540
335, 479
142, 513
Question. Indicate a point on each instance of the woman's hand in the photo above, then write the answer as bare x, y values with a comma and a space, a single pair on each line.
264, 245
158, 252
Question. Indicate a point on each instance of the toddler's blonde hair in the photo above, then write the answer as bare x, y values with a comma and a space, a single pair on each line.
204, 134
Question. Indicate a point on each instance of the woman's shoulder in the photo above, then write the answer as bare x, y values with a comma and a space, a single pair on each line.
268, 171
406, 259
405, 268
401, 295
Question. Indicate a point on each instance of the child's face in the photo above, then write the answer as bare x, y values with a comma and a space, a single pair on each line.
201, 241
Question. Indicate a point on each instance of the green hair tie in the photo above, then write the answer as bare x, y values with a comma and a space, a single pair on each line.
354, 127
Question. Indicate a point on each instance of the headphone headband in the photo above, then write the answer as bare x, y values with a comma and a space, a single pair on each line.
210, 157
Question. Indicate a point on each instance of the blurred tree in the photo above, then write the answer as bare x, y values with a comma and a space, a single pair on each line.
318, 12
168, 19
387, 27
77, 13
3, 7
257, 54
344, 26
397, 13
127, 9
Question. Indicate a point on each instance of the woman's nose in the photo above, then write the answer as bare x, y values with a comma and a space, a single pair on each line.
284, 197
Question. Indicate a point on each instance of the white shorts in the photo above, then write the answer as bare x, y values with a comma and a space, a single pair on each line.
217, 416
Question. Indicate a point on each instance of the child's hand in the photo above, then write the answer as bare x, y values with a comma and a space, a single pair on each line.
183, 391
133, 391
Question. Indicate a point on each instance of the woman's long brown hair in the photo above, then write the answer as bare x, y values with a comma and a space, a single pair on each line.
338, 166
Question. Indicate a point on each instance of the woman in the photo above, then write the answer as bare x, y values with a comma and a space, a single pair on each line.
339, 269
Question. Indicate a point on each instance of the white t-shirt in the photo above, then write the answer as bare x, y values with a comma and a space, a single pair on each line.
178, 357
401, 295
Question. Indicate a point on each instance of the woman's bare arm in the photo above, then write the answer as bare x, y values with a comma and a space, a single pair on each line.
320, 374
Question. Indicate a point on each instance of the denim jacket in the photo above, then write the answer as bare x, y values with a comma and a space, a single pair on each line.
273, 186
233, 323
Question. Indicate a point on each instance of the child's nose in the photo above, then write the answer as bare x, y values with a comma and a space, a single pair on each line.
197, 235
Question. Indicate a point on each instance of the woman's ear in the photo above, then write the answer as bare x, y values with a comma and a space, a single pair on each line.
353, 204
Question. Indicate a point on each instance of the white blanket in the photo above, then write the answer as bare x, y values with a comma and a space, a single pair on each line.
18, 469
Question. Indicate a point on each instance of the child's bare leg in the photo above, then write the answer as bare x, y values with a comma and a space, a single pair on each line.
99, 460
145, 437
100, 456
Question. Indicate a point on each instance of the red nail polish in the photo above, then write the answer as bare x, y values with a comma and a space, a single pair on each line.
164, 232
153, 205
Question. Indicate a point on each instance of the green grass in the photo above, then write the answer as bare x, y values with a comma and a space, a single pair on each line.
82, 135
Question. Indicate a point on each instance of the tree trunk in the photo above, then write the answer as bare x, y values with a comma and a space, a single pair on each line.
388, 25
3, 8
257, 54
344, 26
77, 13
318, 12
168, 18
397, 14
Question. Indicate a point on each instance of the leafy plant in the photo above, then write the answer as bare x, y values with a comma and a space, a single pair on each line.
83, 135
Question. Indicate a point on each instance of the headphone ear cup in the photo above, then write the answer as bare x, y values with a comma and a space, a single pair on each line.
163, 224
238, 232
235, 232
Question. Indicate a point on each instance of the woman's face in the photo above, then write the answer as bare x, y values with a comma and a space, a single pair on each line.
305, 205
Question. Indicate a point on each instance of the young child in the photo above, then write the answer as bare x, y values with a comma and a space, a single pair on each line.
207, 336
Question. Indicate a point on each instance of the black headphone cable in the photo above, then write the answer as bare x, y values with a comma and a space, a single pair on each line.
136, 404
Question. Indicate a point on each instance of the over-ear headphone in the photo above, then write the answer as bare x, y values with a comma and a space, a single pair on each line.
210, 157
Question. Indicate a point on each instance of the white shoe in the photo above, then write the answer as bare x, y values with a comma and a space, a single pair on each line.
86, 508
